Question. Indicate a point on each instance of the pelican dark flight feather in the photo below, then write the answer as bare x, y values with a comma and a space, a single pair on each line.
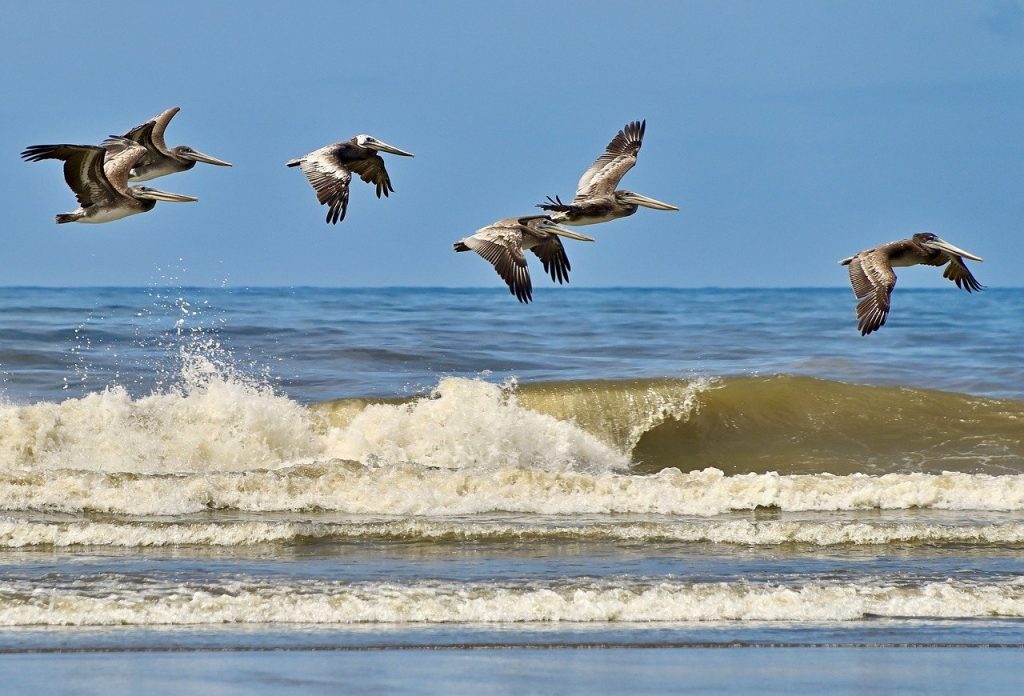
502, 243
596, 198
100, 181
159, 159
873, 279
329, 171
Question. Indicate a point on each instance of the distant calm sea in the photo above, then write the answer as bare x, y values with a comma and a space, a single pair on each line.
324, 468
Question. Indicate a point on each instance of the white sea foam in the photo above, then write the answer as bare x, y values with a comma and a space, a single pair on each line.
409, 489
469, 424
217, 424
211, 423
129, 533
112, 600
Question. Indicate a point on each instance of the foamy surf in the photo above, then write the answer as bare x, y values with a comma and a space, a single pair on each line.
720, 503
115, 600
469, 424
218, 424
469, 447
212, 422
128, 533
358, 489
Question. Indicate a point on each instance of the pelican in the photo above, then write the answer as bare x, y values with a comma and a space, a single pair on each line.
503, 243
330, 168
102, 186
872, 277
596, 198
159, 160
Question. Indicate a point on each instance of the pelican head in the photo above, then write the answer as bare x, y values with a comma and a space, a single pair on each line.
187, 153
546, 224
637, 199
932, 241
153, 194
371, 143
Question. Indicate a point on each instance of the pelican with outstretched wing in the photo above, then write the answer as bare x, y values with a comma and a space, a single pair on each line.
329, 171
504, 242
596, 198
873, 279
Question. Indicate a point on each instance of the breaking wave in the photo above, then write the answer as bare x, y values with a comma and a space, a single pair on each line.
115, 600
682, 447
141, 533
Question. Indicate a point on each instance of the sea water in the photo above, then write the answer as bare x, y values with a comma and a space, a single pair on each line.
313, 468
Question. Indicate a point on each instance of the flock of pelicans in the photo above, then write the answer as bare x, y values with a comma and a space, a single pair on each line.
99, 176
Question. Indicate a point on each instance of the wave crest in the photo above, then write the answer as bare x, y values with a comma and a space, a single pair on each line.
469, 424
210, 422
216, 423
114, 601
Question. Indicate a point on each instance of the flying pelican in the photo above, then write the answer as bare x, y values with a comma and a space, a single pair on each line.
102, 186
503, 243
596, 198
330, 168
159, 160
872, 277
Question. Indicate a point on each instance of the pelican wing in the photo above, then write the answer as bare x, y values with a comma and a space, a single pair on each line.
160, 122
118, 167
141, 135
958, 272
83, 170
872, 278
372, 171
502, 246
329, 179
149, 134
552, 254
618, 158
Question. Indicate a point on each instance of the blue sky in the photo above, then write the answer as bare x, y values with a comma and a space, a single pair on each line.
791, 134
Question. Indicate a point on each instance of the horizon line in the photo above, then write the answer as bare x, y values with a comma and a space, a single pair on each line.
465, 287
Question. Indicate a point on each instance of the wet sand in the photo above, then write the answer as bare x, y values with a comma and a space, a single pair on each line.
724, 670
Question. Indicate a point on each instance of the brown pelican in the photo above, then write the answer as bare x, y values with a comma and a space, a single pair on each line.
100, 181
159, 160
596, 198
330, 168
872, 277
503, 243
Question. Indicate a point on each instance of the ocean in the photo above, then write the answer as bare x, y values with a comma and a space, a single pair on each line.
235, 469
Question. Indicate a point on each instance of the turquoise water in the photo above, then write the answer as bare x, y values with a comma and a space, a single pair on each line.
328, 469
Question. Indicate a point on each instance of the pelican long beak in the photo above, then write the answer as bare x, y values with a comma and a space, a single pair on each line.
384, 147
563, 232
203, 157
943, 245
157, 195
646, 202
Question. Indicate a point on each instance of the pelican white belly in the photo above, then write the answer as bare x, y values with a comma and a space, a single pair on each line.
108, 214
